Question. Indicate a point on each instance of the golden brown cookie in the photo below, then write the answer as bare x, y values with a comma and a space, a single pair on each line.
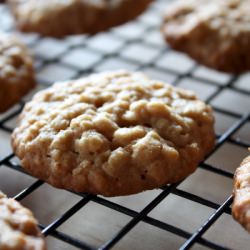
114, 133
59, 18
18, 227
16, 71
214, 32
241, 204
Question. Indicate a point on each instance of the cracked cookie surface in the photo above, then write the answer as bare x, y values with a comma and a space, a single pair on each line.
16, 71
113, 133
214, 32
59, 18
19, 230
241, 204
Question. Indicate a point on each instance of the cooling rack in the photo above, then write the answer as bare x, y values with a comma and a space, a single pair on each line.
195, 213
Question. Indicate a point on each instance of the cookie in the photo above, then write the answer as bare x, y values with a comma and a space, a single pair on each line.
241, 204
113, 133
216, 33
19, 230
17, 75
59, 18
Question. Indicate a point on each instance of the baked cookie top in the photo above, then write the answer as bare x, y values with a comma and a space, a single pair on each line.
113, 133
214, 32
19, 229
241, 205
16, 71
59, 18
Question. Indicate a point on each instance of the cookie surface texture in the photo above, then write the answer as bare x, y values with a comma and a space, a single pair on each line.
241, 204
19, 230
214, 32
17, 76
113, 133
59, 18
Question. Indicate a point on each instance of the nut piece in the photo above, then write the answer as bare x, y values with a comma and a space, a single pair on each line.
241, 204
16, 71
216, 33
19, 229
113, 133
59, 18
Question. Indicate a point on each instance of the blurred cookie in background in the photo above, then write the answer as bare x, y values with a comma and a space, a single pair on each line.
19, 230
214, 32
241, 205
60, 18
16, 71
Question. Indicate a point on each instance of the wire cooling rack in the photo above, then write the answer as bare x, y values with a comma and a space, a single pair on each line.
195, 213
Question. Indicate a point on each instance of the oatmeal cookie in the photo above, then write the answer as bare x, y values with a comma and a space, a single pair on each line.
113, 133
19, 229
214, 32
241, 204
16, 71
59, 18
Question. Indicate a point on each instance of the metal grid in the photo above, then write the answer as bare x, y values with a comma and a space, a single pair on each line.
137, 45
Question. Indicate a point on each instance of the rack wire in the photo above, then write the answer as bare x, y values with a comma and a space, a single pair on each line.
137, 45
